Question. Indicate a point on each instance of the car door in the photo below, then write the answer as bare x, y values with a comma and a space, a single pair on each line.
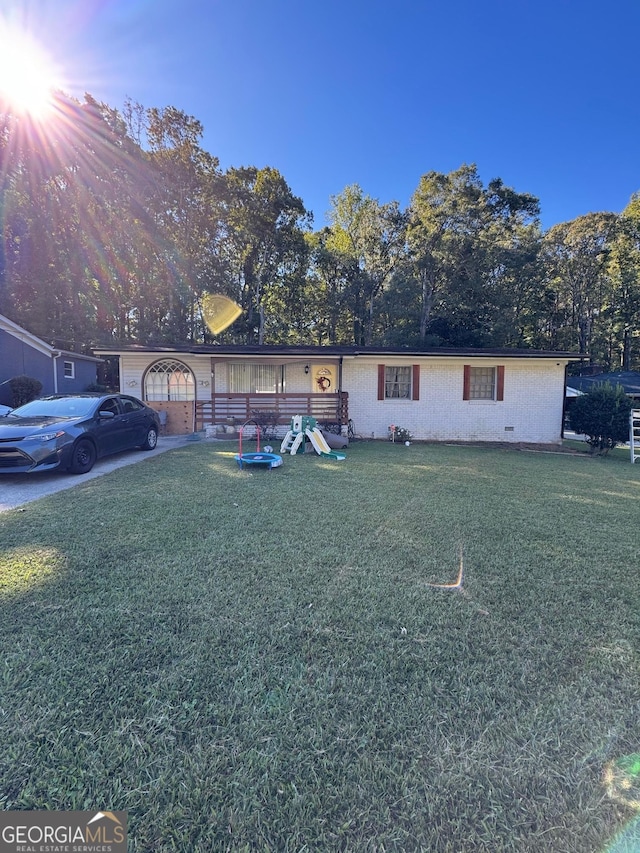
111, 427
136, 417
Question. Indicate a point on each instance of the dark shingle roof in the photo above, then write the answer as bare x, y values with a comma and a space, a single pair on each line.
335, 351
629, 379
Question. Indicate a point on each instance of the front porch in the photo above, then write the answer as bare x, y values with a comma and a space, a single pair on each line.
275, 409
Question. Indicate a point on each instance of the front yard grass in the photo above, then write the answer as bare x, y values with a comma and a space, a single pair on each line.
255, 660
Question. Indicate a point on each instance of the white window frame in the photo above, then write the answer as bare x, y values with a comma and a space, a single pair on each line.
398, 382
247, 377
169, 379
69, 369
483, 382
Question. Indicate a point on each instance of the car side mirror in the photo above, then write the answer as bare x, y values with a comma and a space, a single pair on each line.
106, 415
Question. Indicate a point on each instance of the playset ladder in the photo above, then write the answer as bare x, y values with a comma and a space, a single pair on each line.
634, 434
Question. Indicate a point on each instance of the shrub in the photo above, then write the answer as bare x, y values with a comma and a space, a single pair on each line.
24, 389
603, 416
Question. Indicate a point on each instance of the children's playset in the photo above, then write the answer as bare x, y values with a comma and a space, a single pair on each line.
303, 429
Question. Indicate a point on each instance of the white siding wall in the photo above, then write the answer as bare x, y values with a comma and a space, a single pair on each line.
532, 405
210, 375
133, 367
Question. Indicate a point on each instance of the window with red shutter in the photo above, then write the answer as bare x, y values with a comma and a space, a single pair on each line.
398, 382
381, 372
500, 382
483, 383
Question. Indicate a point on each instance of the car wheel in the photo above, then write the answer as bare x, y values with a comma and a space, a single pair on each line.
151, 440
83, 458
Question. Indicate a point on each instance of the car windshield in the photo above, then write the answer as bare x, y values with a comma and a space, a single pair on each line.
66, 407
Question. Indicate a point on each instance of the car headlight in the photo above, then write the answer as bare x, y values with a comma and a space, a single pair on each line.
49, 436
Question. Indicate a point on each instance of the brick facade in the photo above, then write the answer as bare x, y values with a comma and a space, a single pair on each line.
530, 412
527, 408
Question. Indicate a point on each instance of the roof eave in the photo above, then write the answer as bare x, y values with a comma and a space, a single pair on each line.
245, 351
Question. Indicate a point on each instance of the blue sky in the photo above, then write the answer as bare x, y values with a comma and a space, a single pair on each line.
543, 94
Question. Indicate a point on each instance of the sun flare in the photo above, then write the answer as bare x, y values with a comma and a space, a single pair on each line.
28, 77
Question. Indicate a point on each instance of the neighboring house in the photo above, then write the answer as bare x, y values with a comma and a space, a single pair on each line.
441, 395
23, 354
577, 385
628, 379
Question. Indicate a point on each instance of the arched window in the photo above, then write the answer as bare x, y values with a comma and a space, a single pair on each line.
169, 380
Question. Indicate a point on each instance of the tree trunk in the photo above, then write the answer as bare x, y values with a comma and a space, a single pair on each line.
626, 350
428, 291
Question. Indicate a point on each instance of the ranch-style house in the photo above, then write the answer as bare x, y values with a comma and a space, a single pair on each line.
478, 395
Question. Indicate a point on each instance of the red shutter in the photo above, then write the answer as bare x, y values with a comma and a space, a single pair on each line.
500, 382
415, 384
466, 384
381, 382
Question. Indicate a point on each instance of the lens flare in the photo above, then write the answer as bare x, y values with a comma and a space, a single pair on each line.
219, 312
28, 77
622, 780
628, 840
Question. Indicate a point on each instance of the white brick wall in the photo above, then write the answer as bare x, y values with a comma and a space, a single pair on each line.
532, 405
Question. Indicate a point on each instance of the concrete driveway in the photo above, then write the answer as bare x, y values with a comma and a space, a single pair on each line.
19, 489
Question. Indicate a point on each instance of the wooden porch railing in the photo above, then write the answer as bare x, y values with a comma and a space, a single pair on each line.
222, 408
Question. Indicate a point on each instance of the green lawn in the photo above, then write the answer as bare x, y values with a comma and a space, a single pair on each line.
255, 660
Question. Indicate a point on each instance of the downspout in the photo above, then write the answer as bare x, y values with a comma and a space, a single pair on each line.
56, 355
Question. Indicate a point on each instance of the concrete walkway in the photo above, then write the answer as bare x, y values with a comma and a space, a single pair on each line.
19, 489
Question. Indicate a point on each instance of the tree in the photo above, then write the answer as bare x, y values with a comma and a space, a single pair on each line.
39, 225
187, 206
623, 308
444, 216
603, 416
401, 310
263, 248
116, 224
72, 235
473, 251
372, 236
331, 278
576, 261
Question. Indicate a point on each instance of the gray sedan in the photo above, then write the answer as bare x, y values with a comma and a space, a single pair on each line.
71, 432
